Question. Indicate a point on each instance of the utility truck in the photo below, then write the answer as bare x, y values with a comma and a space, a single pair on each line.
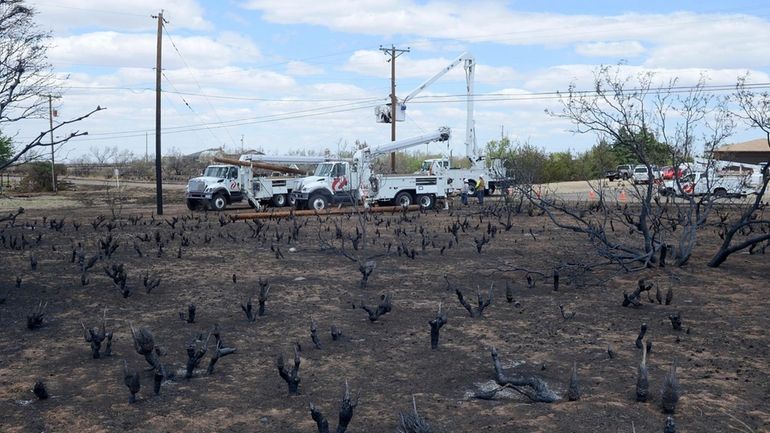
492, 169
232, 181
357, 181
741, 180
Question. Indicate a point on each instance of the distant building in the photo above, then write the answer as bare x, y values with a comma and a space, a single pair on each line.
748, 152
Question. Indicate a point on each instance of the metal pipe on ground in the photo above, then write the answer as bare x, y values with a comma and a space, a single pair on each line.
332, 211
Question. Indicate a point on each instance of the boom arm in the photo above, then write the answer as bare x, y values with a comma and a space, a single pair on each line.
442, 134
286, 159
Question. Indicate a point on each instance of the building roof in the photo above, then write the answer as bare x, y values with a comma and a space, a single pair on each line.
758, 145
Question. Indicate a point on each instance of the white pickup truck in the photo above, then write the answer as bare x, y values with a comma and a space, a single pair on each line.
703, 183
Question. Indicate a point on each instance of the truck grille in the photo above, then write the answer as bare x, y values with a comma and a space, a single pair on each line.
196, 186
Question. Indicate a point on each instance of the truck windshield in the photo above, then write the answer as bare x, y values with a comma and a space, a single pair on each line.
324, 170
426, 165
215, 172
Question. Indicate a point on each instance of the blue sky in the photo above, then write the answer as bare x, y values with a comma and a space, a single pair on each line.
300, 74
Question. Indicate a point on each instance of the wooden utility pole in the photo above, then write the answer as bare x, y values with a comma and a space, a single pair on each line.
158, 173
394, 53
53, 162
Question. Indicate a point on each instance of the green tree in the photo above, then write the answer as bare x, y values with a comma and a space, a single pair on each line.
6, 149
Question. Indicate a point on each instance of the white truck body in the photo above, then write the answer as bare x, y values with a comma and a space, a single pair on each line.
700, 183
225, 184
493, 171
356, 182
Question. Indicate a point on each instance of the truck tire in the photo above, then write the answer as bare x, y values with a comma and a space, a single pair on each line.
426, 201
218, 202
193, 204
317, 202
279, 200
403, 199
471, 187
720, 192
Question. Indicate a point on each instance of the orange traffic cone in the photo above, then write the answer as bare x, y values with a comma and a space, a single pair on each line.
622, 196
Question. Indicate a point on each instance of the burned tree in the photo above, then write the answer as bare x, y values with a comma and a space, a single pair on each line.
291, 377
336, 332
190, 316
639, 339
754, 110
195, 353
40, 390
413, 422
670, 392
314, 334
131, 380
248, 309
346, 413
635, 298
36, 317
383, 308
26, 79
264, 289
144, 344
574, 391
482, 303
536, 388
150, 282
96, 336
642, 381
676, 321
650, 120
435, 326
221, 350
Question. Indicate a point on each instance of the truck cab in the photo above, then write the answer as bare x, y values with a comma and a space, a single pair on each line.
332, 182
218, 186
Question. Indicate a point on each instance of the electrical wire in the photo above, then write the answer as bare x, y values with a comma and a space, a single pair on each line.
189, 70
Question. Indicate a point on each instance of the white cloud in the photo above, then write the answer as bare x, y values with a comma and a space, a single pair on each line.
298, 68
65, 15
620, 49
373, 63
671, 39
129, 49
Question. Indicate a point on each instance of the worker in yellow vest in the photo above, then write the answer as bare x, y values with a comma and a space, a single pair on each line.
480, 186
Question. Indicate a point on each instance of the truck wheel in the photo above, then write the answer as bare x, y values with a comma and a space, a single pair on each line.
218, 202
720, 192
403, 199
611, 178
279, 200
625, 176
317, 202
292, 201
471, 187
427, 201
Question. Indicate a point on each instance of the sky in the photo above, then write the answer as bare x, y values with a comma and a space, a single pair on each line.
294, 75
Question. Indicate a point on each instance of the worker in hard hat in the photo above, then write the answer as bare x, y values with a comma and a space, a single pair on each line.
464, 192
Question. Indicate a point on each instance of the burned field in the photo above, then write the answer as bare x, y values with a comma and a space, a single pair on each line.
206, 311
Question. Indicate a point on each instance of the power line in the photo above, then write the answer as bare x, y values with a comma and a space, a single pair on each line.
189, 70
322, 111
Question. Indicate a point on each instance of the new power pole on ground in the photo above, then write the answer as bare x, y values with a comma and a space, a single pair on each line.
394, 53
158, 174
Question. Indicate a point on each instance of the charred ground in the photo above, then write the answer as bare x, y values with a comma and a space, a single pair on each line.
721, 350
